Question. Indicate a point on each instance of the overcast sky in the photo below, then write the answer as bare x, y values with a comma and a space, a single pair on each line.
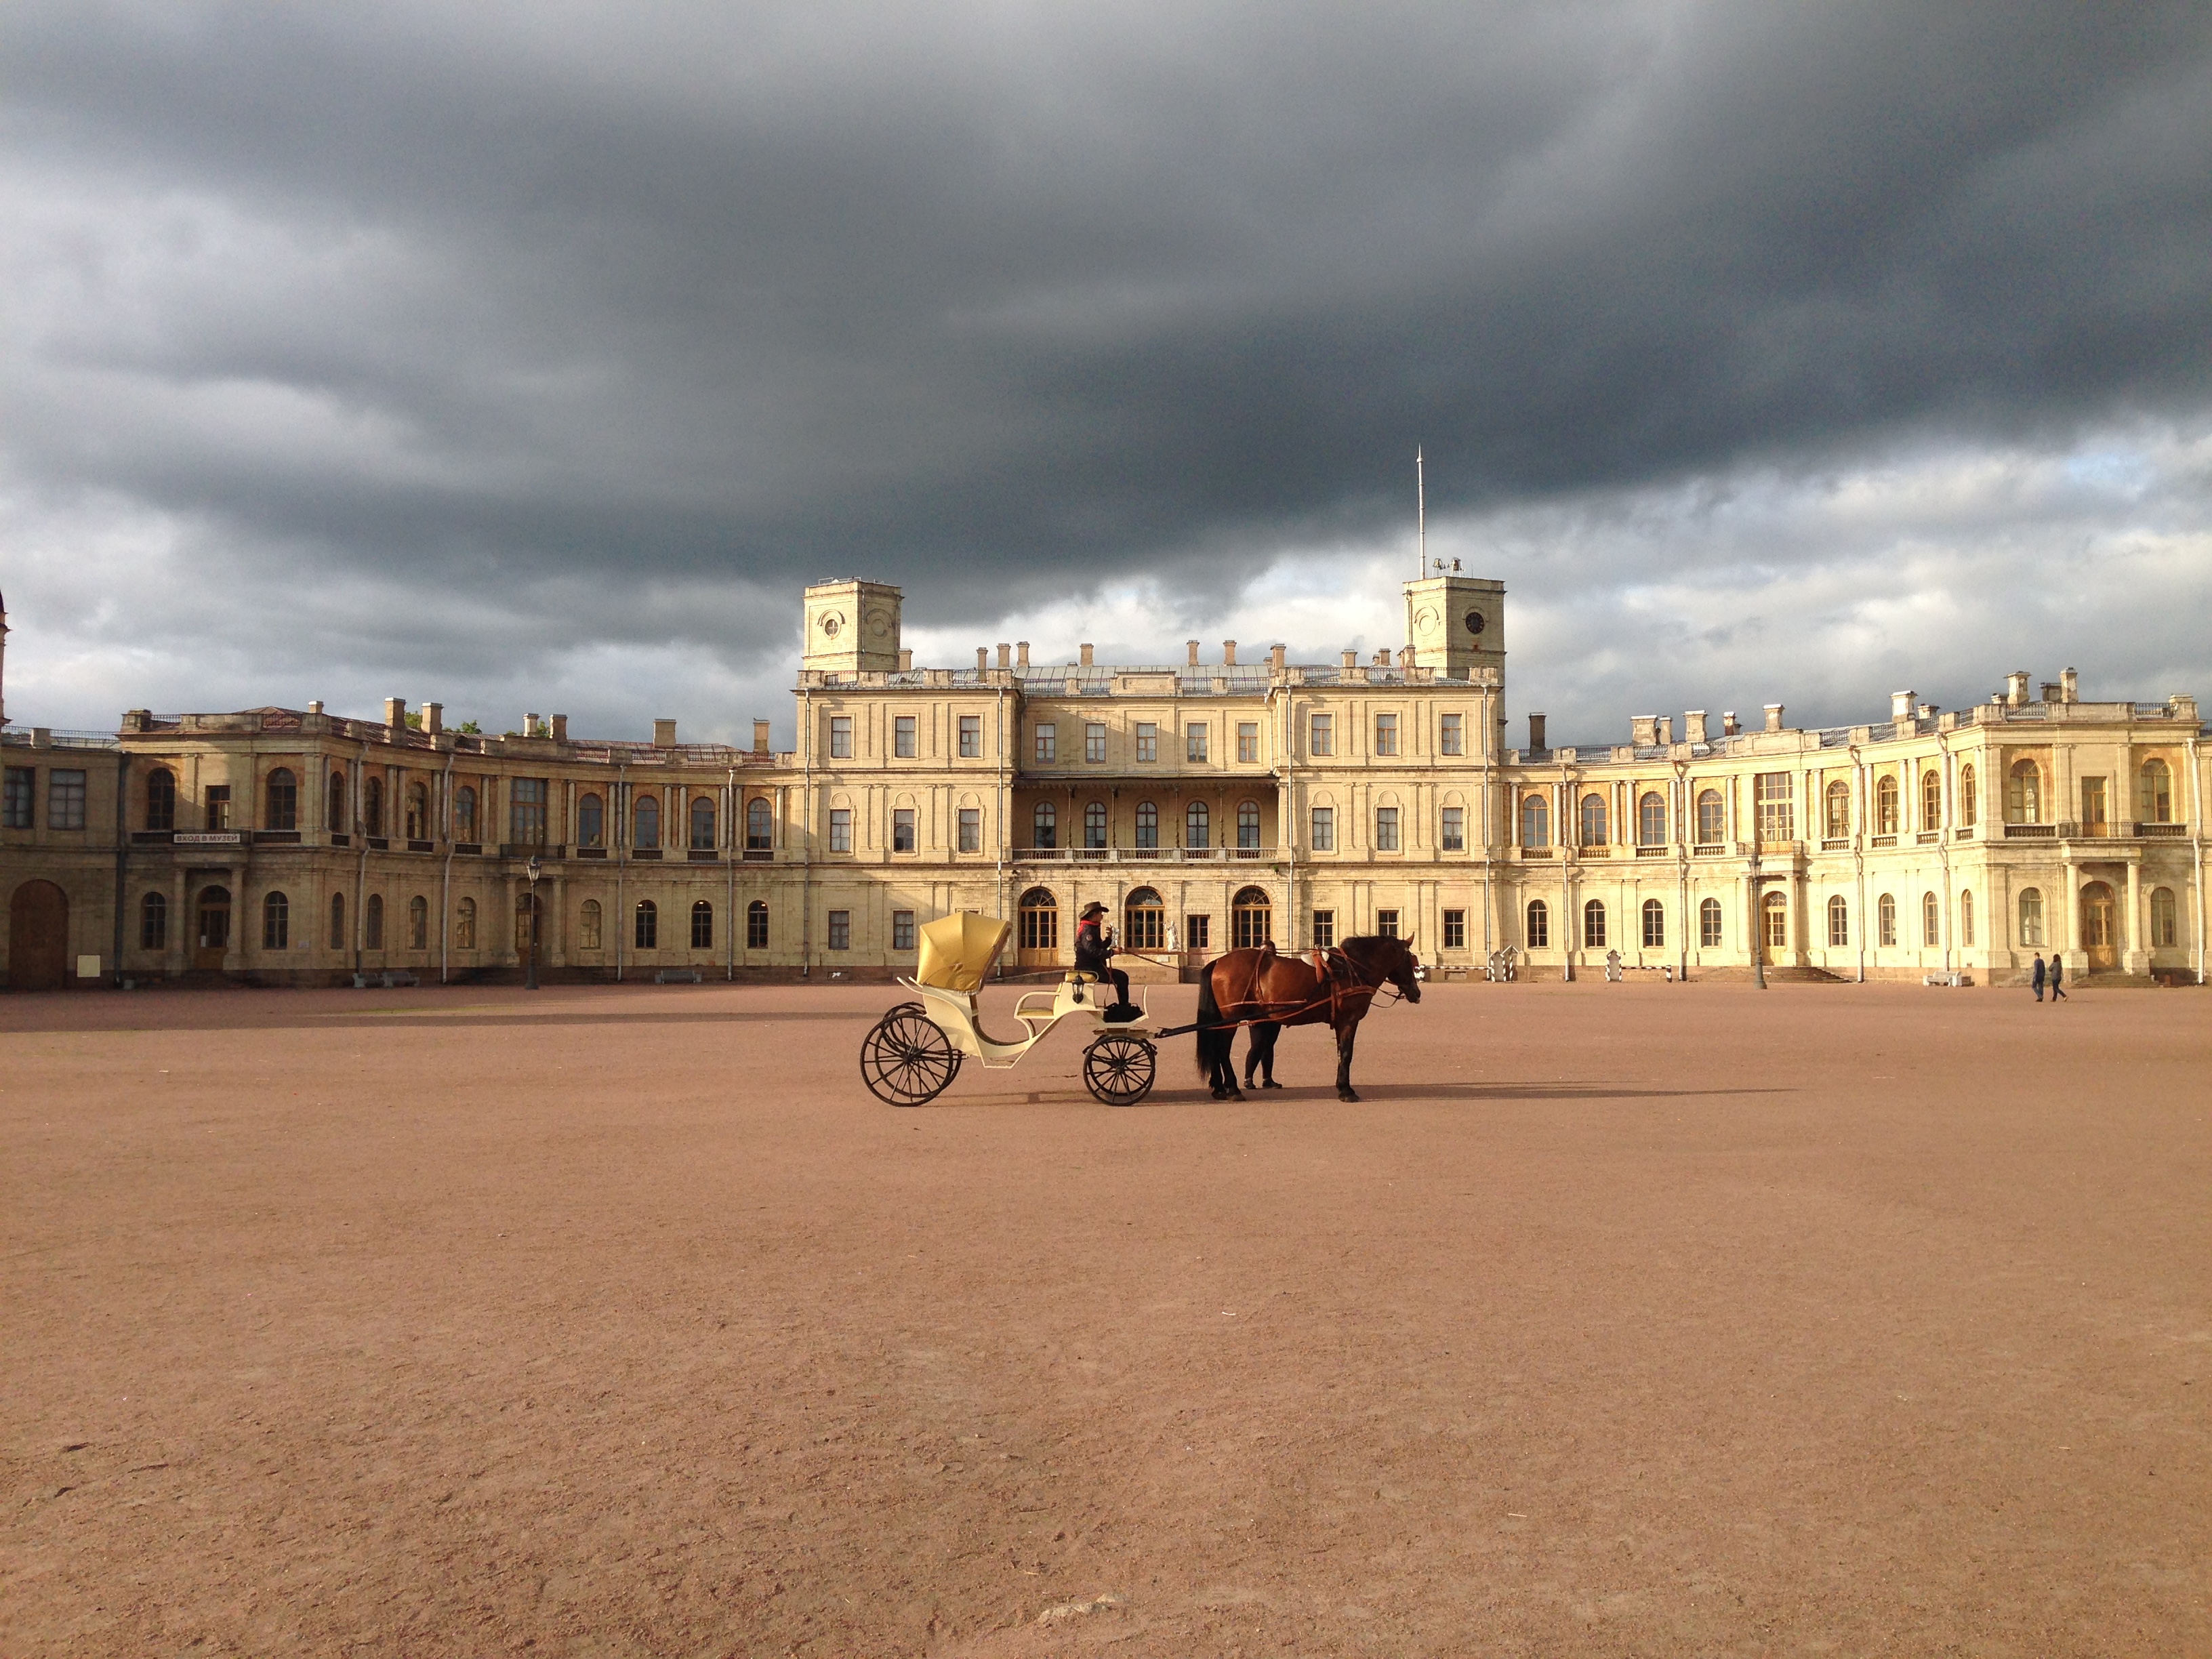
532, 357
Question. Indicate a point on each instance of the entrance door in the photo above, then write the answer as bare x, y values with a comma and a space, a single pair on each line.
1774, 928
211, 939
38, 937
1038, 944
2100, 935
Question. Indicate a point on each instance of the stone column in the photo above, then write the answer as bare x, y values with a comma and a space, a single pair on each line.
2135, 955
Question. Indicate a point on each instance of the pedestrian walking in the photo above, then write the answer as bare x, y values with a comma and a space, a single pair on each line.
2058, 974
2036, 978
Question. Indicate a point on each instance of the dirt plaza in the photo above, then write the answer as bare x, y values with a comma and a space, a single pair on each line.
1635, 1320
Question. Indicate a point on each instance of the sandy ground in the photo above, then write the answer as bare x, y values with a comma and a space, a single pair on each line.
1637, 1320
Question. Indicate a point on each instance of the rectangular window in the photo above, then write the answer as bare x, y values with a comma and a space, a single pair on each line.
902, 830
1777, 819
1248, 741
971, 829
214, 805
1197, 933
1324, 929
1094, 741
1324, 829
1455, 930
1386, 923
841, 829
901, 930
525, 812
65, 798
902, 737
1386, 734
841, 929
2093, 802
1386, 828
1454, 830
1048, 744
1194, 743
1321, 738
971, 736
1148, 741
1451, 736
841, 737
15, 812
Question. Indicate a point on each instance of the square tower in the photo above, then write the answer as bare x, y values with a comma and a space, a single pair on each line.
852, 626
1457, 625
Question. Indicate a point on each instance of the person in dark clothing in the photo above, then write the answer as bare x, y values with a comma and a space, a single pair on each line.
1091, 954
2058, 974
2036, 978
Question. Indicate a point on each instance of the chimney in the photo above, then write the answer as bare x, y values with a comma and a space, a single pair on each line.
434, 717
1666, 724
2069, 685
1536, 733
1693, 726
982, 661
1006, 654
1021, 654
906, 661
314, 706
1900, 705
1229, 653
1279, 657
395, 712
2051, 691
1643, 729
1191, 646
1728, 726
2016, 688
1083, 655
1351, 659
663, 734
560, 728
760, 737
1382, 658
1774, 717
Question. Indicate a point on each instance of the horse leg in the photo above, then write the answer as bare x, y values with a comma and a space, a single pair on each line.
1345, 1039
1262, 1055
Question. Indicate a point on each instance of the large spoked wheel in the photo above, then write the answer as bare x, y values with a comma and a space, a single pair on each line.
906, 1059
1118, 1068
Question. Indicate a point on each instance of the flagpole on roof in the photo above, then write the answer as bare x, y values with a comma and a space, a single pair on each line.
1420, 518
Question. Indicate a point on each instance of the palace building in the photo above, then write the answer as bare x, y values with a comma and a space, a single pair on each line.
1208, 803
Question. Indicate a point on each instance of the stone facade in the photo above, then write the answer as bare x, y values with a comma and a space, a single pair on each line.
1206, 802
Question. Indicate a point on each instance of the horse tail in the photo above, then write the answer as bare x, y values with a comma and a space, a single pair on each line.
1213, 1045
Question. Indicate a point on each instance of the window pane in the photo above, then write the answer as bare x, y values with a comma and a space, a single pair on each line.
1386, 828
1196, 826
1195, 742
1094, 742
702, 926
1455, 930
841, 929
903, 930
1148, 741
1047, 740
902, 837
21, 786
841, 829
1454, 829
841, 737
1709, 923
1248, 741
65, 800
757, 924
647, 933
902, 737
1324, 929
1386, 734
972, 736
1324, 829
1323, 735
1451, 736
971, 828
759, 831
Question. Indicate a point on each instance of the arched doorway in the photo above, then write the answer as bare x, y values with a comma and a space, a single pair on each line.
1251, 919
211, 933
1144, 921
38, 937
1039, 943
1774, 927
2100, 935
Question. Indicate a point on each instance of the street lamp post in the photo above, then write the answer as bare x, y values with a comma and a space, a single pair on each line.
530, 978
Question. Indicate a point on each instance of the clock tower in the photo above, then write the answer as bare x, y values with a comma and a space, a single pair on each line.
852, 626
1457, 625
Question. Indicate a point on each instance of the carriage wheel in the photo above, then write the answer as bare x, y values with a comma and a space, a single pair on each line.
906, 1059
1118, 1068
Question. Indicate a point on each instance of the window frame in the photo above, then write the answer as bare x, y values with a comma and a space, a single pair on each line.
1045, 735
1321, 734
1455, 926
1654, 916
841, 829
1451, 829
702, 925
1094, 743
905, 834
840, 930
1148, 741
971, 736
1712, 924
645, 926
275, 921
967, 824
1248, 742
1322, 835
1593, 927
67, 788
756, 933
841, 737
1536, 925
1451, 734
1386, 830
1386, 734
903, 745
1197, 745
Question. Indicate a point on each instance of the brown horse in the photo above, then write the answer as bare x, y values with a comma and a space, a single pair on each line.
1331, 988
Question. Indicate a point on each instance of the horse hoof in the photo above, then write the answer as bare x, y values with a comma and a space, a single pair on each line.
1221, 1094
1271, 1083
1346, 1095
1236, 1094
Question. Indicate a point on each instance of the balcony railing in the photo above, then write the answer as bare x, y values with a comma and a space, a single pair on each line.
2030, 832
1144, 855
1885, 840
1710, 849
1836, 844
2163, 831
1927, 837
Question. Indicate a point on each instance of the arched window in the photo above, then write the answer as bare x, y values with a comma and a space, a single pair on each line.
1197, 826
372, 806
1931, 799
418, 923
1593, 820
1931, 920
337, 921
591, 821
645, 823
2031, 916
1839, 921
1708, 924
282, 791
1838, 797
2024, 793
1540, 924
588, 935
1247, 825
1886, 920
702, 824
153, 923
1966, 915
1652, 820
702, 926
1774, 910
1884, 806
1094, 826
1047, 825
1535, 821
647, 936
371, 923
1040, 913
759, 833
2155, 793
2164, 928
276, 922
418, 811
1250, 919
1144, 921
1148, 824
334, 804
1594, 925
1970, 804
161, 798
1712, 818
526, 919
465, 925
757, 924
465, 814
1655, 923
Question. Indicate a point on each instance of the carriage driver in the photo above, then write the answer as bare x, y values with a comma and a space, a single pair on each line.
1091, 952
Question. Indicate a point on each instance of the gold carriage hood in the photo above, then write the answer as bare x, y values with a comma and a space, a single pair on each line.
958, 951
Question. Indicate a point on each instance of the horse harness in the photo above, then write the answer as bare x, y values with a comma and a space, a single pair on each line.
1333, 968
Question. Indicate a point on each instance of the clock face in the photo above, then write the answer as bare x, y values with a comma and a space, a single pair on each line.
1474, 622
879, 626
832, 624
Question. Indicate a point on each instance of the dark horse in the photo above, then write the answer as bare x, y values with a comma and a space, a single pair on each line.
1332, 987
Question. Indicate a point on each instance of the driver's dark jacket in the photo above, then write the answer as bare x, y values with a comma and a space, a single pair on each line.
1091, 951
